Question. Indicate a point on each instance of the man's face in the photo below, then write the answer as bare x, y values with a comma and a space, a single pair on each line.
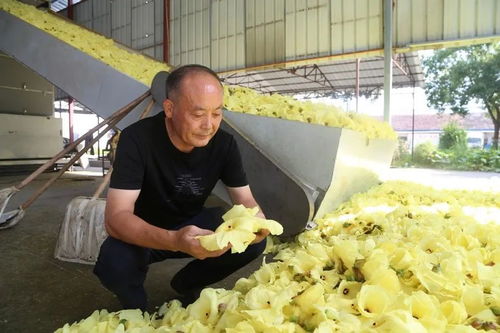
194, 112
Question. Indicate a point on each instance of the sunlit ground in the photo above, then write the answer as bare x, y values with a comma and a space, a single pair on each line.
447, 179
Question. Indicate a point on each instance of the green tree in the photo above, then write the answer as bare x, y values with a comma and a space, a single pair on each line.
454, 77
453, 137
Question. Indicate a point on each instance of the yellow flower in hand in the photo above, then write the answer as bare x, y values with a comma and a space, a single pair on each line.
238, 229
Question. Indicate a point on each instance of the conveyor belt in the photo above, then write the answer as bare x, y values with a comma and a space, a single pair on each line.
291, 165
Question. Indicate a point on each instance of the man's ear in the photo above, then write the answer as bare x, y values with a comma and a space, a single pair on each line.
168, 107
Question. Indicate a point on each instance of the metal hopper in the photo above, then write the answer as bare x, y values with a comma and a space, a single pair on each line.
313, 168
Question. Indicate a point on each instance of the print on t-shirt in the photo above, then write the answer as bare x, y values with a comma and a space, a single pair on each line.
186, 184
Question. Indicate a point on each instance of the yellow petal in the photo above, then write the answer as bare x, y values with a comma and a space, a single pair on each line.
387, 279
172, 312
454, 312
229, 319
401, 259
378, 260
310, 298
372, 300
239, 240
347, 251
260, 297
399, 321
422, 305
205, 308
212, 242
488, 275
238, 211
473, 299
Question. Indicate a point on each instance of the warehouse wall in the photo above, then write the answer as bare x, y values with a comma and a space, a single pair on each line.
231, 34
190, 37
421, 21
246, 33
134, 23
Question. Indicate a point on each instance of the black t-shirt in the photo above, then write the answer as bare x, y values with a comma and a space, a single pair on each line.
174, 185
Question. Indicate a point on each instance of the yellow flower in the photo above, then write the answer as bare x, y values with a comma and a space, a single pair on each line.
239, 211
429, 261
229, 319
329, 279
493, 298
454, 312
342, 304
206, 308
321, 252
436, 283
238, 229
266, 297
387, 279
302, 262
238, 239
347, 251
192, 326
473, 299
310, 298
260, 297
172, 313
372, 300
349, 289
267, 273
326, 326
422, 305
401, 259
451, 267
376, 261
489, 276
426, 309
241, 327
399, 321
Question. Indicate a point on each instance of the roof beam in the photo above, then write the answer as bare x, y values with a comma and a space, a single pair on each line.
317, 75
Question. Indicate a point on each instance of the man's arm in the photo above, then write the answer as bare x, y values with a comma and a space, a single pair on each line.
123, 224
243, 196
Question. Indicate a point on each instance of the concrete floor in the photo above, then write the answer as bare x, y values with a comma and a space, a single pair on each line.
39, 293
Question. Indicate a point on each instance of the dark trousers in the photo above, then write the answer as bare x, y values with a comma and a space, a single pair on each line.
122, 267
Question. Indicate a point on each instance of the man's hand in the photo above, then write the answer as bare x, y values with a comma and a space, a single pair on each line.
186, 242
260, 235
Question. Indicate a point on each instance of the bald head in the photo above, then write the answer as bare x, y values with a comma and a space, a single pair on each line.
193, 108
185, 75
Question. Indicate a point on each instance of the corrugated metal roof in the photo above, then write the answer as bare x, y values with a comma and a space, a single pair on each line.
57, 5
332, 78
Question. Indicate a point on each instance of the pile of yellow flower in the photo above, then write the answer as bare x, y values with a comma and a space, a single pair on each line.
104, 49
247, 100
237, 99
399, 258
